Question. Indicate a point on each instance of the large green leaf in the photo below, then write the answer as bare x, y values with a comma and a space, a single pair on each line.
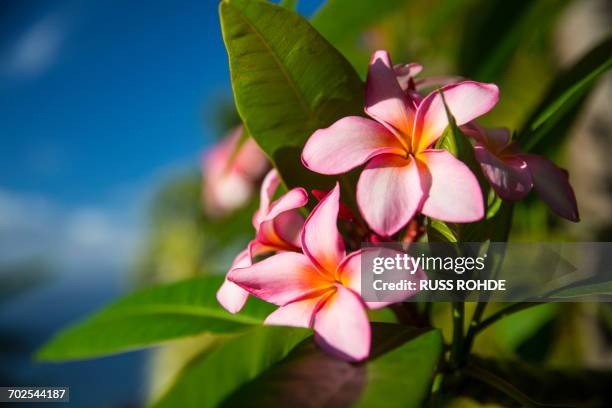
552, 118
152, 316
214, 374
403, 365
585, 290
288, 81
342, 21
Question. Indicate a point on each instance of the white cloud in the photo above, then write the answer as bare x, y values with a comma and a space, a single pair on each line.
100, 238
96, 235
81, 240
37, 48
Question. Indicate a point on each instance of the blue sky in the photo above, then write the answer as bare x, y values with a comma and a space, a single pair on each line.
120, 92
98, 94
99, 102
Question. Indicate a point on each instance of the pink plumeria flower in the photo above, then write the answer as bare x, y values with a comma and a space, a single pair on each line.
513, 174
277, 224
229, 182
319, 288
403, 173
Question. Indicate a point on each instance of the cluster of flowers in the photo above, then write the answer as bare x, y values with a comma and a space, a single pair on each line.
309, 275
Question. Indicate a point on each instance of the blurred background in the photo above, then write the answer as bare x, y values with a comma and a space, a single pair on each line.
109, 111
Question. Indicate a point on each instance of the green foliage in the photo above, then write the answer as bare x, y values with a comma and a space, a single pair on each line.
341, 22
552, 118
530, 320
288, 81
151, 316
584, 290
289, 4
384, 373
183, 241
496, 30
214, 374
403, 365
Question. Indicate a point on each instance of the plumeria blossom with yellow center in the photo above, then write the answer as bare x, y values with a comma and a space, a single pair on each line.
318, 288
404, 174
277, 224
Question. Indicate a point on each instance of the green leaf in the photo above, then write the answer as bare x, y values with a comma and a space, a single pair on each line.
529, 320
289, 4
152, 316
551, 120
341, 22
213, 375
405, 372
288, 81
403, 365
584, 290
496, 29
440, 231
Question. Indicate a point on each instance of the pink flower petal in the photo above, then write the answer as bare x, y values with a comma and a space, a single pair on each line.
342, 327
288, 226
344, 213
257, 248
552, 185
510, 177
466, 101
231, 296
229, 175
389, 193
296, 314
349, 270
349, 274
497, 139
454, 194
226, 192
346, 144
406, 72
321, 241
268, 188
385, 100
281, 278
250, 160
268, 236
280, 227
294, 198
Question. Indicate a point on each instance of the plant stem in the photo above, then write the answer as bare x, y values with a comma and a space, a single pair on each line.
458, 310
473, 329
